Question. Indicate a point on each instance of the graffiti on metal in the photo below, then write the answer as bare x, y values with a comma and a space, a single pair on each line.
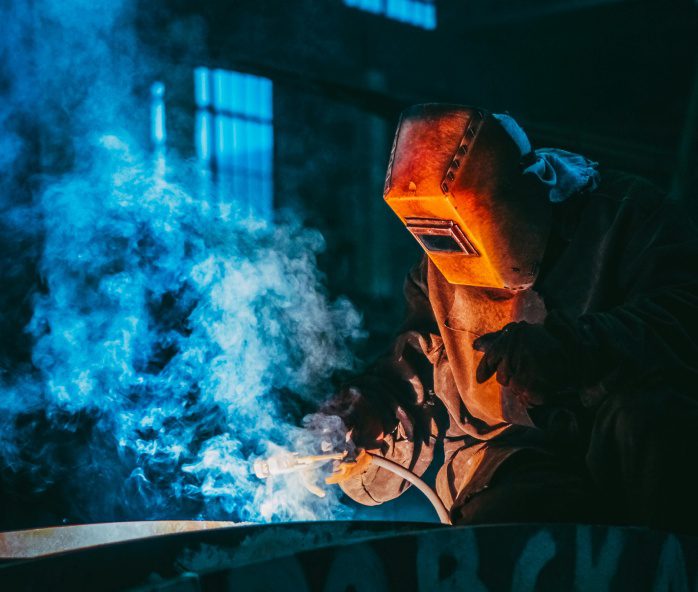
479, 560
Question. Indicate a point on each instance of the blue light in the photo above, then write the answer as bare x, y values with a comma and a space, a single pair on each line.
266, 100
430, 17
203, 135
158, 130
420, 13
239, 102
202, 87
223, 90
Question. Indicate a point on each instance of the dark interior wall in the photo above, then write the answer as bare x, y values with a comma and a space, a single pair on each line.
613, 80
607, 66
330, 163
610, 79
330, 166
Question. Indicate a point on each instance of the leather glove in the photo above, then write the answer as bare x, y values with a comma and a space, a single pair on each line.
368, 420
527, 358
366, 423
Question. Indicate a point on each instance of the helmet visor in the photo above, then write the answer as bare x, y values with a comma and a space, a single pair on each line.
440, 236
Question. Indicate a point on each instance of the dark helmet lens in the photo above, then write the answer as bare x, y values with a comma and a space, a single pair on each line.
441, 236
436, 243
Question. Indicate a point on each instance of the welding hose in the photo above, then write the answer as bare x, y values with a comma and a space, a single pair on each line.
408, 475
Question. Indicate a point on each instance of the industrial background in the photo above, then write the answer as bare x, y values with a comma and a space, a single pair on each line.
292, 105
615, 80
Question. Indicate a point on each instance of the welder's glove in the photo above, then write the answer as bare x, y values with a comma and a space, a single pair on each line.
369, 420
364, 421
529, 359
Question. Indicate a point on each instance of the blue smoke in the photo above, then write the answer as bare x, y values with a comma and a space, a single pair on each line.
174, 338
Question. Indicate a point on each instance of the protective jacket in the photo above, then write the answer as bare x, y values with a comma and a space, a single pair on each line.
618, 285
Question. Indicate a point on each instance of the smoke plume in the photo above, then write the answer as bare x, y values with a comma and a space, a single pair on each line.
155, 340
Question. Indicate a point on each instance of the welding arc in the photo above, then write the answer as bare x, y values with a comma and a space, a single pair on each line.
408, 475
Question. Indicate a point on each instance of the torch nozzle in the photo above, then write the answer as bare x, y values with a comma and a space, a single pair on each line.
290, 462
347, 468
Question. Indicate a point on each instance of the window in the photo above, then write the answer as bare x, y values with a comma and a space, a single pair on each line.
420, 13
234, 136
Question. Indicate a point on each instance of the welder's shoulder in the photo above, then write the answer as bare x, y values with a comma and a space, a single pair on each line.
625, 190
631, 205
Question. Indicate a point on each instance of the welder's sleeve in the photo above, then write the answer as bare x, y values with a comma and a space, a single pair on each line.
653, 334
400, 385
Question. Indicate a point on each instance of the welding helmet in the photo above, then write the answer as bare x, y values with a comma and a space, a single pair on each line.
455, 179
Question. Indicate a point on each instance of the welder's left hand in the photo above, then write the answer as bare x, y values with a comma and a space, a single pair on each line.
527, 358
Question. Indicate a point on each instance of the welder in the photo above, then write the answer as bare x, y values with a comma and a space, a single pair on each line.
551, 336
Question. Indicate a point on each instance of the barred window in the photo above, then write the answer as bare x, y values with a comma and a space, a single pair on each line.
234, 136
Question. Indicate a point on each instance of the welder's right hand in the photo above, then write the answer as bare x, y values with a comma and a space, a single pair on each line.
366, 422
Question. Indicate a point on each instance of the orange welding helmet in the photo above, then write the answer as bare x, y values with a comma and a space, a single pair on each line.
456, 181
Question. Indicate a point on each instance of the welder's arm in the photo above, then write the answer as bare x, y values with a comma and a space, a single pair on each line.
654, 333
651, 335
391, 406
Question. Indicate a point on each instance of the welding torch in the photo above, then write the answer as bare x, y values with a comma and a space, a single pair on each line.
345, 468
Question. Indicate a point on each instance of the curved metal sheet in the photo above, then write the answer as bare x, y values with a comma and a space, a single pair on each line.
38, 542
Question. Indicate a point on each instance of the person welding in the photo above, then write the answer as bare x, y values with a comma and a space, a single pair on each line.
551, 337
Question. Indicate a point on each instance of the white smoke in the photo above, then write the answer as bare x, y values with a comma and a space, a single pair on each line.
174, 337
